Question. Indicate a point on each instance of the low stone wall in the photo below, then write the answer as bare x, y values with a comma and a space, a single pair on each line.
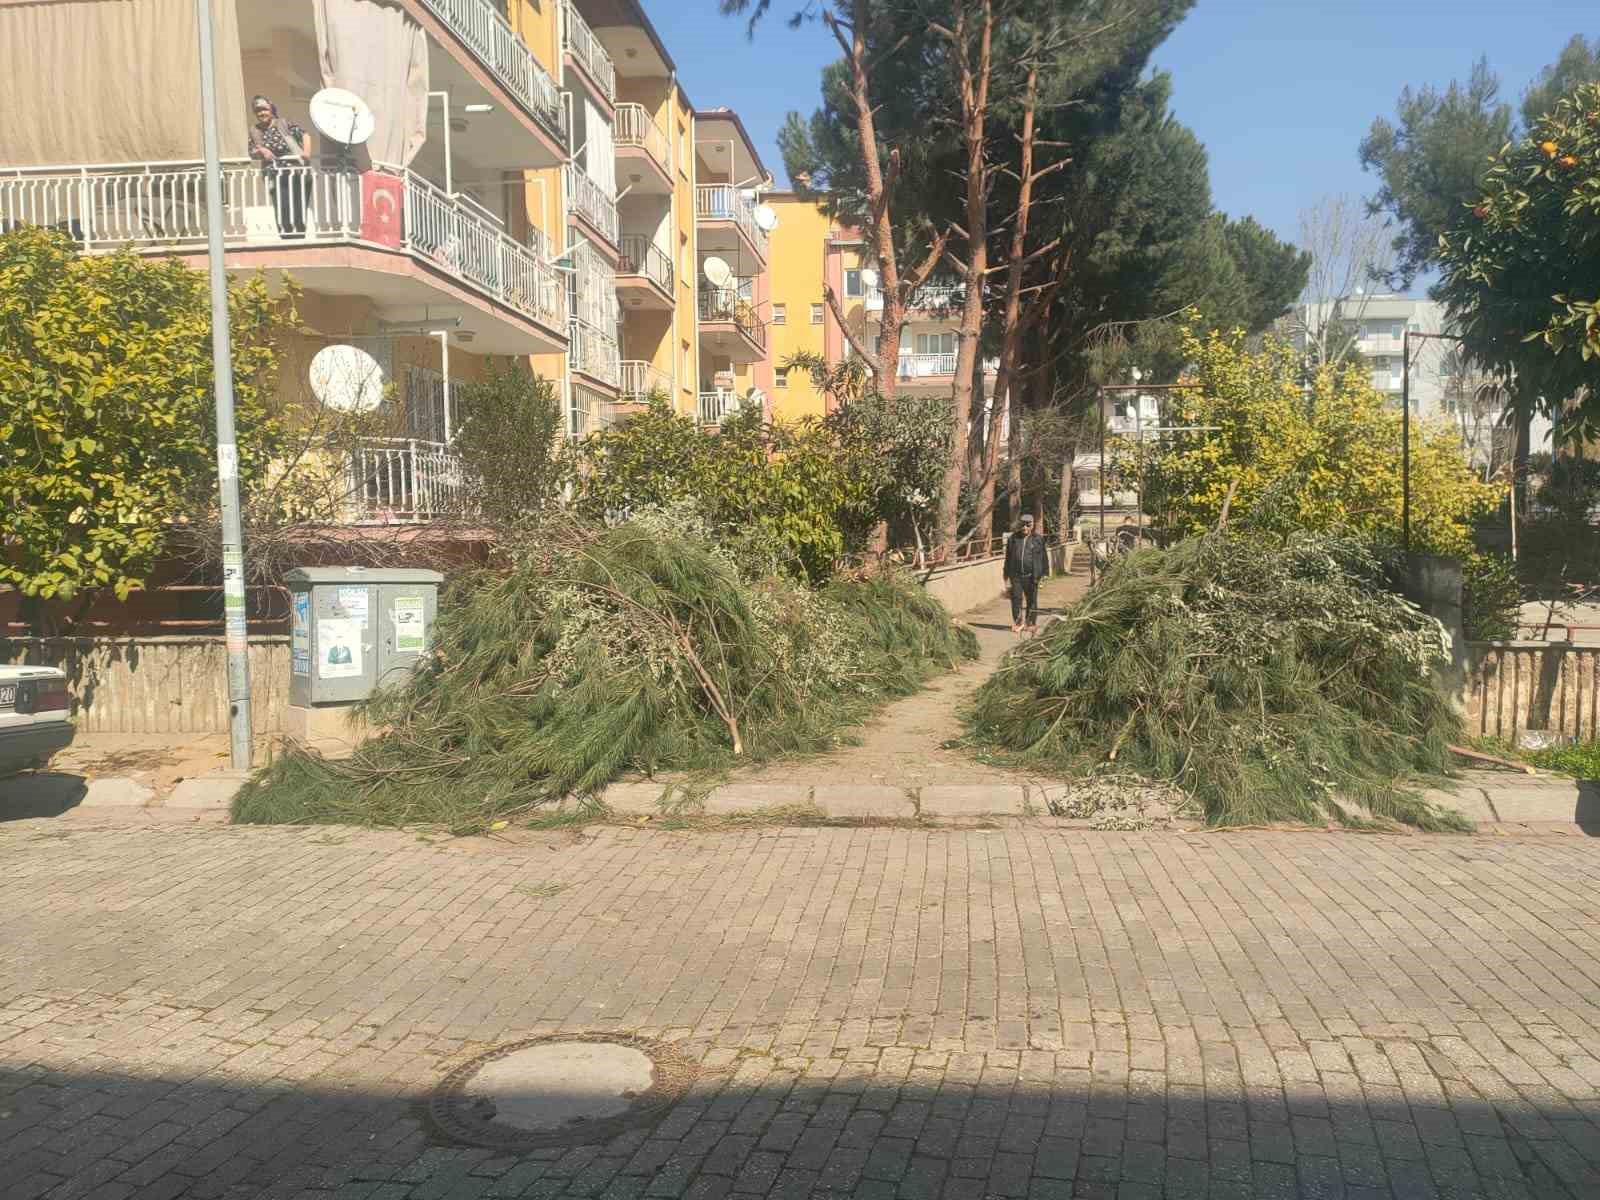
1517, 686
159, 685
967, 586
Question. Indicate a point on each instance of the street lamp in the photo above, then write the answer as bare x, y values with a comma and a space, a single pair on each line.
1405, 427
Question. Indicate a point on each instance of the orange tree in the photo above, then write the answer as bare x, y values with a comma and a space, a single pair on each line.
1522, 266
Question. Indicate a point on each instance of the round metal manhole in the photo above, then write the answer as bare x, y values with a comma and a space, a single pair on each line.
561, 1090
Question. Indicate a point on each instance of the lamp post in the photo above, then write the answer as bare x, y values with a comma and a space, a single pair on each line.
233, 593
1405, 427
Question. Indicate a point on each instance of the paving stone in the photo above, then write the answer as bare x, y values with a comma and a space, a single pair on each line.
863, 800
970, 800
207, 1013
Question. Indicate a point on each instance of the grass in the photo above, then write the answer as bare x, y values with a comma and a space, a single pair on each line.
1581, 760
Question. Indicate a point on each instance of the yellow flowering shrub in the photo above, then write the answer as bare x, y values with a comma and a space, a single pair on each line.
1322, 457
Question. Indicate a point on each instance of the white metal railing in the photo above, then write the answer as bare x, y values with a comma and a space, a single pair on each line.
640, 380
634, 127
722, 202
641, 256
716, 406
595, 353
487, 35
929, 297
590, 200
578, 40
163, 206
401, 480
922, 366
732, 305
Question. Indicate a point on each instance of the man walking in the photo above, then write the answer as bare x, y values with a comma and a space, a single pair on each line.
1027, 562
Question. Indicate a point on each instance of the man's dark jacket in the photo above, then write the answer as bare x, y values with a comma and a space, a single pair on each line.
1026, 556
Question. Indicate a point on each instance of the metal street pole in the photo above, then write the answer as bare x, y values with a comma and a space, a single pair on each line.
1405, 444
233, 597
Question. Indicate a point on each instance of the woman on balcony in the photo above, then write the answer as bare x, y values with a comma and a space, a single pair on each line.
280, 146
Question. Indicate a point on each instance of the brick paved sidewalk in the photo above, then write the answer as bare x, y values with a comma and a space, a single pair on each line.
194, 1011
905, 745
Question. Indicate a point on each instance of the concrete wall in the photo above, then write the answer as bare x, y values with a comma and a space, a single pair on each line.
967, 586
1516, 686
159, 685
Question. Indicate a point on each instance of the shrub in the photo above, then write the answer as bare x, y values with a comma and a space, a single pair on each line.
1491, 597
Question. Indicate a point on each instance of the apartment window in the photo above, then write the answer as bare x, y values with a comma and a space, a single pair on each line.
816, 314
936, 343
781, 377
780, 314
852, 283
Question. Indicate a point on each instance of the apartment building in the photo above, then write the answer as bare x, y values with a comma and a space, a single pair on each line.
535, 187
811, 253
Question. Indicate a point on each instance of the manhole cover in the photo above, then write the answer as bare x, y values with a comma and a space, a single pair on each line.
563, 1090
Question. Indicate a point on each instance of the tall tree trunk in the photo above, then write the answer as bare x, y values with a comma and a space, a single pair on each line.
1007, 396
973, 81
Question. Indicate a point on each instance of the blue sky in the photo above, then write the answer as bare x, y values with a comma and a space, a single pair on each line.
1281, 91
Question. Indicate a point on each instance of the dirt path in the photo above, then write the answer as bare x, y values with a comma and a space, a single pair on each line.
905, 746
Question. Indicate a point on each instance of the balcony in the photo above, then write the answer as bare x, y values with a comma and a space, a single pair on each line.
722, 209
926, 366
729, 326
640, 381
644, 152
401, 481
583, 48
716, 407
588, 200
478, 25
414, 243
644, 275
594, 353
930, 297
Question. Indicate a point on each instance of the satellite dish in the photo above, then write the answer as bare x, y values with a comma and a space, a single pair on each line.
347, 379
717, 271
766, 220
869, 277
341, 116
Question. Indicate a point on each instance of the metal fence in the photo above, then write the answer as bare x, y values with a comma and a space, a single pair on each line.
490, 38
578, 40
405, 480
590, 201
641, 256
641, 379
730, 304
723, 202
595, 353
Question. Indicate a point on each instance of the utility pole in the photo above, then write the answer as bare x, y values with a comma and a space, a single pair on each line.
233, 596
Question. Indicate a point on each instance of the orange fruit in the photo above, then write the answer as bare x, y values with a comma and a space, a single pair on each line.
1549, 148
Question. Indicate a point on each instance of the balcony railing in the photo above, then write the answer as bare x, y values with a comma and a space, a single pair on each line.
928, 297
721, 202
578, 40
641, 256
728, 304
923, 366
715, 407
595, 353
640, 380
493, 42
634, 127
404, 480
163, 206
589, 200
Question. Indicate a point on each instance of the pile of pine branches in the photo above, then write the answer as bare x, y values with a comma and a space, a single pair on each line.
1270, 680
637, 648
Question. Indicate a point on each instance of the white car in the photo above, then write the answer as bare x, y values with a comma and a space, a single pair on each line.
35, 720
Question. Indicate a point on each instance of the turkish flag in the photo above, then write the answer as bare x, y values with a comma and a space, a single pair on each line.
382, 208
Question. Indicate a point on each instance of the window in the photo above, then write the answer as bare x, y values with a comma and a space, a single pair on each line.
852, 283
816, 314
936, 343
780, 315
781, 378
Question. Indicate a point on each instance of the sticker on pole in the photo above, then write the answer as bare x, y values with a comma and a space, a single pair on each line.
227, 461
410, 625
300, 635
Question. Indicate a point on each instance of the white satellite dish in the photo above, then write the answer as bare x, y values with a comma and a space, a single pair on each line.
717, 271
766, 220
341, 116
869, 277
347, 379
